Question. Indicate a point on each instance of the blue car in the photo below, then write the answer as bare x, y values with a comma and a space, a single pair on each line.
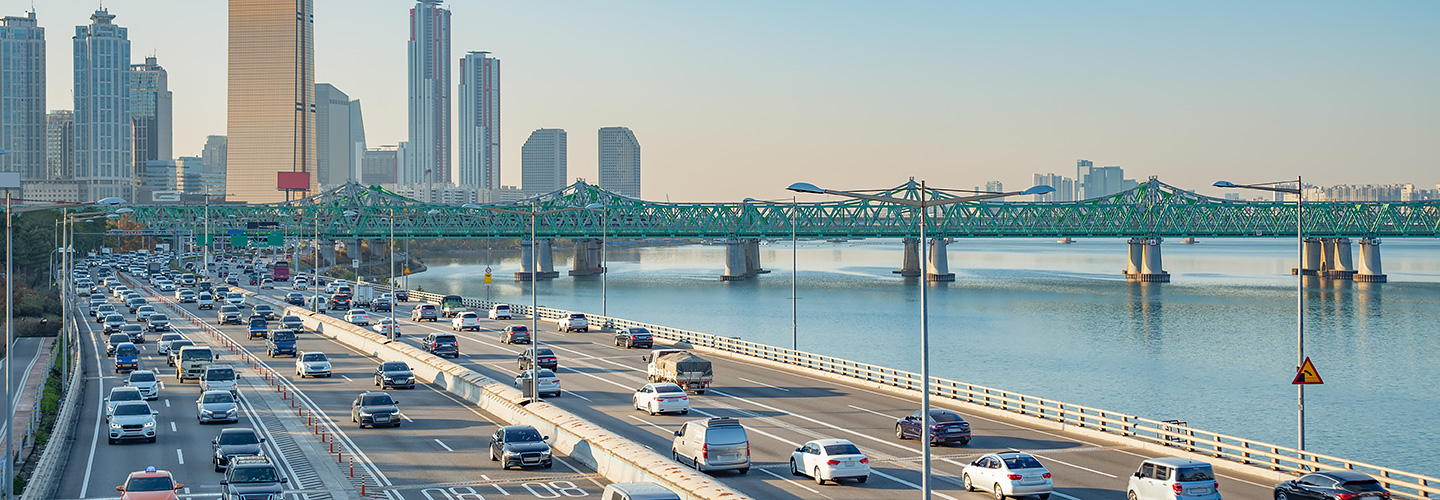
127, 357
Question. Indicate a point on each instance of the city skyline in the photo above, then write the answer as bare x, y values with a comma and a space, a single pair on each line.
1339, 93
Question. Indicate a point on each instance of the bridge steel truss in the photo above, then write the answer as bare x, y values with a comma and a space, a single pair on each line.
1152, 209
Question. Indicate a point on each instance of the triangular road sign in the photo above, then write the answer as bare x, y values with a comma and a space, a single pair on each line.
1307, 374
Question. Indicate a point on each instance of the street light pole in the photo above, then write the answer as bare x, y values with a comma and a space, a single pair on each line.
794, 275
534, 308
922, 205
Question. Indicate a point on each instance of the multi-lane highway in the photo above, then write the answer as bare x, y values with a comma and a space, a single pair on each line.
438, 452
783, 409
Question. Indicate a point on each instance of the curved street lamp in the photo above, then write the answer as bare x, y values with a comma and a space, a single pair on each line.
923, 205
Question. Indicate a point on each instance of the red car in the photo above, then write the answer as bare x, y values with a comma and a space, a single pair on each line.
149, 484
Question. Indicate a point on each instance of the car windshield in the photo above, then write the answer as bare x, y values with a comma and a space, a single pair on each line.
116, 338
516, 435
254, 475
1022, 462
282, 335
375, 400
125, 395
229, 309
192, 354
132, 409
544, 352
170, 337
1363, 485
156, 318
394, 366
238, 438
1194, 473
726, 435
313, 356
639, 331
668, 388
218, 397
262, 307
131, 328
177, 344
943, 416
260, 322
149, 484
142, 377
126, 352
220, 374
841, 449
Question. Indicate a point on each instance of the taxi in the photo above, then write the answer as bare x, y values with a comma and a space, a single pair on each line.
149, 484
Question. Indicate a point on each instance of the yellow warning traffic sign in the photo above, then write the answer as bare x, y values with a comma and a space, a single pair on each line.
487, 278
1307, 374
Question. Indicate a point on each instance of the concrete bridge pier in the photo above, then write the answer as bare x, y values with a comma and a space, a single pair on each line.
938, 269
1339, 257
587, 258
735, 265
752, 257
1151, 266
910, 267
546, 260
1136, 255
1370, 271
1313, 250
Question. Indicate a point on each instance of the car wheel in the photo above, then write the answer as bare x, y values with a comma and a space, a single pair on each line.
1280, 495
1131, 495
818, 478
969, 486
744, 471
862, 479
654, 411
900, 432
999, 493
1043, 496
492, 455
794, 470
685, 411
151, 440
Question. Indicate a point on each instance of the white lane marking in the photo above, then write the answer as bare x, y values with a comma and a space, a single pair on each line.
442, 444
646, 422
1062, 495
581, 397
172, 427
793, 482
1069, 464
180, 455
167, 403
871, 411
407, 419
802, 417
764, 384
99, 415
591, 375
346, 378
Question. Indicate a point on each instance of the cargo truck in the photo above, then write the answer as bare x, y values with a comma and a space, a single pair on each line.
690, 372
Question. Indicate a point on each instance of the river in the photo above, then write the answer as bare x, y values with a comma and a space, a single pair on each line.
1216, 347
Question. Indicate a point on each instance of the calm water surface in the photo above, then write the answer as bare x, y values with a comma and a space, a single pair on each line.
1216, 347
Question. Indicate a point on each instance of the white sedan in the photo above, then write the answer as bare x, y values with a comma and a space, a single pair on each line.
466, 321
830, 460
661, 398
357, 317
385, 325
312, 364
1008, 474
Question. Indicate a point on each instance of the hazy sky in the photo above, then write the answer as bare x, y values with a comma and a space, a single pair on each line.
740, 98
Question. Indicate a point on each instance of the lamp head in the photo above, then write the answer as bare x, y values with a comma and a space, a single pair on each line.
749, 200
1042, 189
805, 187
350, 213
594, 206
470, 206
433, 211
1224, 184
124, 211
111, 201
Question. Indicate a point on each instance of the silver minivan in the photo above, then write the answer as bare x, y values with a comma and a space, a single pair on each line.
717, 443
637, 491
1172, 478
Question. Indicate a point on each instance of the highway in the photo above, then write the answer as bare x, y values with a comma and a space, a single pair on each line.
782, 409
439, 451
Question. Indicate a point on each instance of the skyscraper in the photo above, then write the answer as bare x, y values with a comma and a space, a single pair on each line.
1082, 170
60, 145
271, 97
542, 162
335, 131
22, 97
103, 152
479, 164
429, 91
212, 161
620, 161
380, 165
1064, 187
150, 113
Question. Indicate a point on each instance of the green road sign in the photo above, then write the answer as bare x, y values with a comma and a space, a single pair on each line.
239, 240
275, 239
204, 240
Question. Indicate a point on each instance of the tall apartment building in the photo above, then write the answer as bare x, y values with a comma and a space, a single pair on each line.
103, 153
429, 92
542, 162
60, 145
1092, 182
1064, 187
340, 132
151, 114
479, 134
22, 97
271, 97
620, 161
212, 160
380, 166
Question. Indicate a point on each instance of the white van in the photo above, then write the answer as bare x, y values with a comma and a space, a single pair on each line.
637, 491
1165, 478
219, 377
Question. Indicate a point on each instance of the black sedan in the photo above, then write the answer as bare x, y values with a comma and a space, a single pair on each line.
295, 298
519, 446
634, 337
1331, 485
945, 427
375, 409
236, 442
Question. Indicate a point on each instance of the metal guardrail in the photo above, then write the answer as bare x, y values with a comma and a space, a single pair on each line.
48, 469
1166, 433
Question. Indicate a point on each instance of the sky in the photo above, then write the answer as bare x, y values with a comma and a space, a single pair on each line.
741, 98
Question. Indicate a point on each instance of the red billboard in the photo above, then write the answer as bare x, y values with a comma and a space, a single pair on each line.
292, 180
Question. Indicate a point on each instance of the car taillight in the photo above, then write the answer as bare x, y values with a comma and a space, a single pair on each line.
705, 450
1013, 477
1176, 487
832, 462
747, 449
1217, 486
864, 460
1045, 475
1345, 496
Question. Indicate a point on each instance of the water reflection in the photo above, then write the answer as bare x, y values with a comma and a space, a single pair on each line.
1146, 321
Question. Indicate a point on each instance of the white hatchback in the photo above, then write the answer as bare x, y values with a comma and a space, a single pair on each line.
312, 364
1008, 474
357, 317
830, 460
662, 398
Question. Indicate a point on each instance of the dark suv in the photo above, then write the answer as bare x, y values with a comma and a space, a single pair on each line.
251, 477
443, 345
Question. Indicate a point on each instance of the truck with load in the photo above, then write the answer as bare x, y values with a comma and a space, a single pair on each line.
451, 306
690, 372
364, 295
192, 361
